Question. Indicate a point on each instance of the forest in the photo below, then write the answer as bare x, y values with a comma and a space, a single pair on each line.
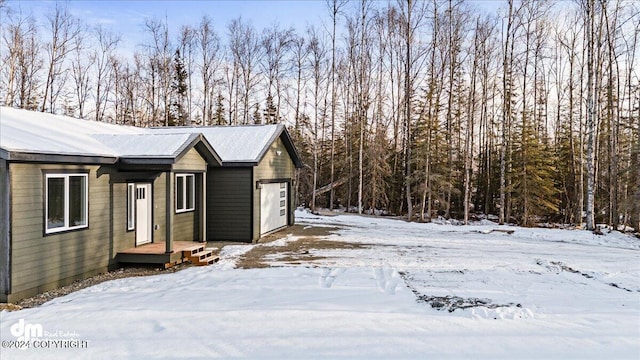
428, 109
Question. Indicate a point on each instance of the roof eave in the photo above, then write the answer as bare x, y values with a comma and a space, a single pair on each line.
26, 156
146, 163
239, 163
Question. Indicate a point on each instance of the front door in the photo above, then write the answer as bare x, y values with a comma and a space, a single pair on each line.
143, 214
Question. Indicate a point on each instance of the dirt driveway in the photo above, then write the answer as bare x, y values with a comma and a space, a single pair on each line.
293, 252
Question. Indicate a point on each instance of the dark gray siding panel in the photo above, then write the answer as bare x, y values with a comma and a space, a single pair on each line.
229, 193
5, 276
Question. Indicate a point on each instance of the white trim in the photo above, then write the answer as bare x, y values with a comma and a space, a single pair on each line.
144, 214
131, 206
66, 226
184, 188
273, 207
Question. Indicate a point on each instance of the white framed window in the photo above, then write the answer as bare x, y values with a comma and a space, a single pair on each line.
131, 206
66, 202
185, 192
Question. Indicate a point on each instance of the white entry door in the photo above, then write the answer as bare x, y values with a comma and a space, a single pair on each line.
143, 214
273, 207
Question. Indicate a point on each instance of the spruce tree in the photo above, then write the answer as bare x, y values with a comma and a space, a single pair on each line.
270, 111
257, 119
218, 116
177, 111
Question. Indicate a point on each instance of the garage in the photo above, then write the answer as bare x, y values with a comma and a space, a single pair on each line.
273, 206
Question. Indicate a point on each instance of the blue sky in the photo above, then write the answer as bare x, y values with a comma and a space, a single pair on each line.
126, 17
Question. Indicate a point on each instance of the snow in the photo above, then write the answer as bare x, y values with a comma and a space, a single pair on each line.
141, 145
30, 131
234, 143
37, 132
547, 293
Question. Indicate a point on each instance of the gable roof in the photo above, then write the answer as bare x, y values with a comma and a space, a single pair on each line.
35, 136
242, 145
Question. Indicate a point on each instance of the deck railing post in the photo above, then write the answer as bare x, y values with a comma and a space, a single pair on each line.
203, 209
169, 212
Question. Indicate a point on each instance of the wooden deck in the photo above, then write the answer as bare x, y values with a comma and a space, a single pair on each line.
160, 248
155, 253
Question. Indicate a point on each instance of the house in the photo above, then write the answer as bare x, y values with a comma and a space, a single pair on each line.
79, 197
250, 195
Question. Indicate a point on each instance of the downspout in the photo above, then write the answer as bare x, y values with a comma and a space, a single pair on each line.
5, 232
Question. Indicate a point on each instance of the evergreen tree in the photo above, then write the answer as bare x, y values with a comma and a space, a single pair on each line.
177, 110
534, 190
257, 119
218, 116
270, 111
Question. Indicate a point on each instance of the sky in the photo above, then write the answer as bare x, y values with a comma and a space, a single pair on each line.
126, 17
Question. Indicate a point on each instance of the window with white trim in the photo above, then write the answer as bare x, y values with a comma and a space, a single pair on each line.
185, 192
66, 202
131, 206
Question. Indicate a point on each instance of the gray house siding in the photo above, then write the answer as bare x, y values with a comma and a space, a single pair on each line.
186, 225
41, 262
229, 204
191, 161
159, 209
5, 260
272, 167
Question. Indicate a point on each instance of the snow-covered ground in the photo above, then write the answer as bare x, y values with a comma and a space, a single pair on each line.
409, 291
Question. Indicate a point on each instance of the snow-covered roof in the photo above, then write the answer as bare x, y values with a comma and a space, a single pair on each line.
37, 132
235, 143
26, 134
146, 144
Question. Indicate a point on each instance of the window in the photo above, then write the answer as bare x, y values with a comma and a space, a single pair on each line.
185, 192
131, 206
66, 200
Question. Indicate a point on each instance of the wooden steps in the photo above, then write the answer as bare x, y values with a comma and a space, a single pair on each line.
197, 255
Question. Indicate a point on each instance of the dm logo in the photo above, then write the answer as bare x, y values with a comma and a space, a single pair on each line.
25, 332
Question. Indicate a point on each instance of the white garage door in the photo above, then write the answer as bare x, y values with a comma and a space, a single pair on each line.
273, 207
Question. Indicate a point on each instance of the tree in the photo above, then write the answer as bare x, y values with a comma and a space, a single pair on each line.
335, 7
21, 63
158, 54
507, 89
209, 47
218, 117
276, 44
179, 111
589, 18
102, 56
186, 44
246, 50
317, 53
64, 29
80, 74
